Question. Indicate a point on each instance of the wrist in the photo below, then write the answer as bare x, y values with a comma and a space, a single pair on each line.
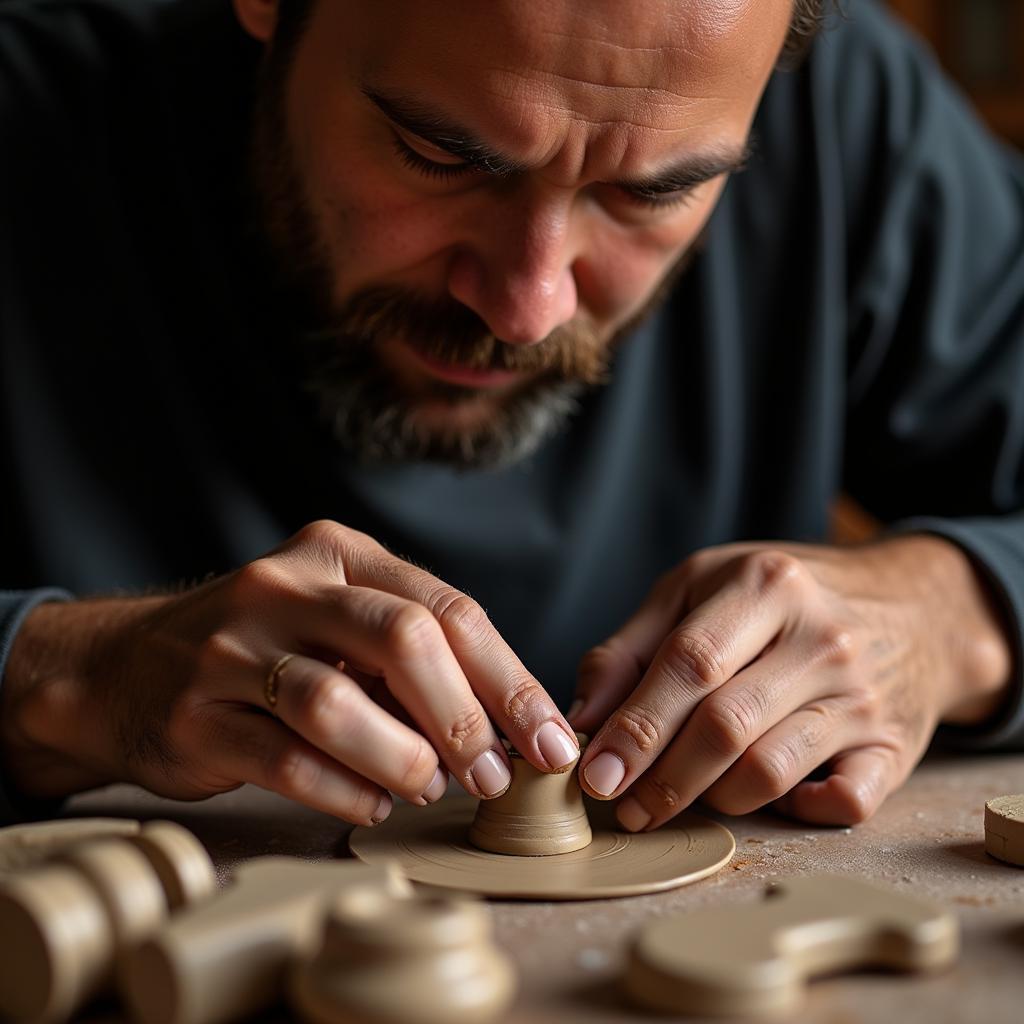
961, 619
56, 735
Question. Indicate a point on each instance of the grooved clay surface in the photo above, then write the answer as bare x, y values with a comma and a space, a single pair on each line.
927, 840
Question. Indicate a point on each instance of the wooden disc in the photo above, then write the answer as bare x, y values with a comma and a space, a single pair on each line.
1004, 828
430, 845
22, 846
180, 862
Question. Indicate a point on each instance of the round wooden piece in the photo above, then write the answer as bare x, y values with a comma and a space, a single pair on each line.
180, 862
430, 845
1004, 828
22, 846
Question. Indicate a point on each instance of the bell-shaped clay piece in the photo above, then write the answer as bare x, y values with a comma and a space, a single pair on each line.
429, 961
537, 816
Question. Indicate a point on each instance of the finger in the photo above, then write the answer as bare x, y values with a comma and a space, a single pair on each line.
714, 642
249, 746
610, 672
786, 755
401, 641
858, 783
512, 696
332, 712
728, 722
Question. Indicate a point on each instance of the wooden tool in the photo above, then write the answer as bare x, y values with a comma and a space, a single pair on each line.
64, 921
538, 815
756, 959
21, 846
228, 957
1004, 828
426, 961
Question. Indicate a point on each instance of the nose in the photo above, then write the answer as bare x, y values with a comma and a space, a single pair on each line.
516, 272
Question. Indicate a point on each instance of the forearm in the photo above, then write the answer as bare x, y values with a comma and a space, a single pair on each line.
56, 734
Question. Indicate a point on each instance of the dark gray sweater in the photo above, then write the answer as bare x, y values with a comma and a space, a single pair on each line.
856, 321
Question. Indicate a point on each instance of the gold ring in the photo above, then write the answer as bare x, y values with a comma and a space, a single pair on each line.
270, 687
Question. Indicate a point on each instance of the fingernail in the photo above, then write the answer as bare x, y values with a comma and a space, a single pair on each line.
632, 816
575, 708
383, 809
604, 773
438, 786
490, 774
555, 747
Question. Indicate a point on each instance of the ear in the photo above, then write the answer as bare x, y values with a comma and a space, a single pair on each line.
258, 17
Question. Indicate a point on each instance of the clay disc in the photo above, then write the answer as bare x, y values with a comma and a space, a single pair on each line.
430, 846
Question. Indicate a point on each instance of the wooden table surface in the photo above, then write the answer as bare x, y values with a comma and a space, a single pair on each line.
928, 839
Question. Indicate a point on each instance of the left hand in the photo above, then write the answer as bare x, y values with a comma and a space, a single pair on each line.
751, 665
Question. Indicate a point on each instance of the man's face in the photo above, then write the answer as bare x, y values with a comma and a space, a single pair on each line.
479, 197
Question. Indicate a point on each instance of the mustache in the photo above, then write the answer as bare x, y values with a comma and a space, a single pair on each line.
446, 330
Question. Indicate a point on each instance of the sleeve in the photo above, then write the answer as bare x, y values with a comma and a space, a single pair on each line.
935, 251
14, 609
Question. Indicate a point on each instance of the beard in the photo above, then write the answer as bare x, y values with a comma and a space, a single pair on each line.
373, 413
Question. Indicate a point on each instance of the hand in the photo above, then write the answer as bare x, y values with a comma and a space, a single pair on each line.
393, 681
750, 666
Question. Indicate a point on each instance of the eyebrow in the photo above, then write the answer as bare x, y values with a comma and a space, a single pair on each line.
459, 142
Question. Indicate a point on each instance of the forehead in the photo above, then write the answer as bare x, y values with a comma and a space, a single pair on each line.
561, 81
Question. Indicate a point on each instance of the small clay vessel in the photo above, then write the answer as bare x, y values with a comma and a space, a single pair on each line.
428, 961
537, 816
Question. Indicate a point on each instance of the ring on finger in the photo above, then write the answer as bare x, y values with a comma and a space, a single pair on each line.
273, 679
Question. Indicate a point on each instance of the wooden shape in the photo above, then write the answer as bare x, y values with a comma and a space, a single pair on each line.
179, 860
226, 957
417, 962
63, 923
539, 815
22, 846
1004, 828
756, 959
430, 845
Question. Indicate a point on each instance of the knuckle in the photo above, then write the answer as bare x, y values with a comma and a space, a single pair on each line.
770, 771
866, 704
693, 567
261, 577
641, 725
521, 697
293, 773
320, 706
694, 654
726, 725
323, 533
465, 729
835, 645
463, 619
770, 570
411, 632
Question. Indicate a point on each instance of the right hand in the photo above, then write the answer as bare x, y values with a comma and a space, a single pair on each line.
393, 681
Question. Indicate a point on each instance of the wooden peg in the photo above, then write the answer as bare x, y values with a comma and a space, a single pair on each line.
756, 959
430, 961
1004, 828
179, 860
21, 846
64, 921
227, 957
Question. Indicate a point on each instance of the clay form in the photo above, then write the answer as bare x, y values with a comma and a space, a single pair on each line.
430, 845
419, 962
1004, 828
537, 816
228, 957
64, 921
180, 862
755, 959
21, 846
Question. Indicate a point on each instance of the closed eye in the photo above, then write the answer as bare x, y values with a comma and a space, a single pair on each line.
430, 168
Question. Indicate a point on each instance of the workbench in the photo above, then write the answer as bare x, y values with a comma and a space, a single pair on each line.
927, 839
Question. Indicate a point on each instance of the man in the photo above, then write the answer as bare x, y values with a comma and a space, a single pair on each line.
584, 310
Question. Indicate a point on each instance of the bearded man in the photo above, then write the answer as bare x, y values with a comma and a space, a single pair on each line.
327, 325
